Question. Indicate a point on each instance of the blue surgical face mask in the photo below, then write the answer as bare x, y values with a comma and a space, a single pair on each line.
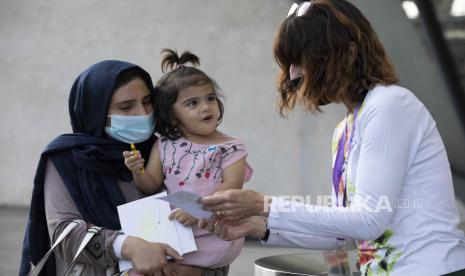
131, 129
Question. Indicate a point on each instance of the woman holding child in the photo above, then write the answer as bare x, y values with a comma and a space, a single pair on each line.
81, 178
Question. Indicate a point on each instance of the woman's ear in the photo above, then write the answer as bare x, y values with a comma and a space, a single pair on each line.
353, 52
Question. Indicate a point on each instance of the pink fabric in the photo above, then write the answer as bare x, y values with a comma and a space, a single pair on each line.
198, 169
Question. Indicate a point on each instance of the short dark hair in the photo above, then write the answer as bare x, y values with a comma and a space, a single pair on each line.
321, 43
168, 87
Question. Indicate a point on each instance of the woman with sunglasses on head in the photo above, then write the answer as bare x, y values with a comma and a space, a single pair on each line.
386, 151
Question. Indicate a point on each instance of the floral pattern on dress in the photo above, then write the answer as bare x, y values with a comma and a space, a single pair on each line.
377, 257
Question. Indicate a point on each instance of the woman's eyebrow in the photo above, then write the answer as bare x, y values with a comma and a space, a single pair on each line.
126, 102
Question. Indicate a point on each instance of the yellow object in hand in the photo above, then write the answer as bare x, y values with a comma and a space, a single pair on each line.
134, 151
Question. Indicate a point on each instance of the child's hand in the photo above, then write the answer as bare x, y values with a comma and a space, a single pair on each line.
133, 162
183, 217
209, 224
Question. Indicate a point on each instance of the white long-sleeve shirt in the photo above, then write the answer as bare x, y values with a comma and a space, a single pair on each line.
291, 239
400, 190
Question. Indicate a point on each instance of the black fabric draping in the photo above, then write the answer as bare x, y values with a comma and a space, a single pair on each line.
89, 163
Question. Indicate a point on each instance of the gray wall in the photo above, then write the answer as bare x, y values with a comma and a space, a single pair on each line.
45, 44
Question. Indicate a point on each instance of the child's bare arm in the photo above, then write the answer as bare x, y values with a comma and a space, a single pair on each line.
233, 176
151, 179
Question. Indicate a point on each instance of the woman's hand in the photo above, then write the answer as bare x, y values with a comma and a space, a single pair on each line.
208, 225
236, 204
183, 217
147, 257
134, 162
254, 227
175, 269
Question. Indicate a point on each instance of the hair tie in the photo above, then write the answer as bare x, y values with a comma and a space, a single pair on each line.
179, 65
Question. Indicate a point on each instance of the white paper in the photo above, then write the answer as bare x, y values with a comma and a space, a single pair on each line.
147, 218
189, 203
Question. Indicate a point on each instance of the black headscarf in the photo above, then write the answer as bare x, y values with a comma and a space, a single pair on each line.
89, 163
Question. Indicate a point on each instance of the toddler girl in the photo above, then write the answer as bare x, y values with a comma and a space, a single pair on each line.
191, 154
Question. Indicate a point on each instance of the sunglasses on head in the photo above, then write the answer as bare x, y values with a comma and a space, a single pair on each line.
299, 9
295, 76
295, 72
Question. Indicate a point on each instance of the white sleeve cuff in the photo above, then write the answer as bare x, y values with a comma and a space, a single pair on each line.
118, 244
277, 206
273, 238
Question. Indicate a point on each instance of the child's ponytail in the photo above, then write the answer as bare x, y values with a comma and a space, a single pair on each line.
171, 59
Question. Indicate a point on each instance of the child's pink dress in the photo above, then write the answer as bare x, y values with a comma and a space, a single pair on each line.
198, 169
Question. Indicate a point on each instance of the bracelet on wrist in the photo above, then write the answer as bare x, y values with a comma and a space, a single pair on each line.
267, 232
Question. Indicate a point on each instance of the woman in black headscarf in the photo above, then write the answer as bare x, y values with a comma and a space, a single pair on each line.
81, 176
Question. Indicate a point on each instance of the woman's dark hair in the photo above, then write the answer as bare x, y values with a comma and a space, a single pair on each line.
339, 52
167, 89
